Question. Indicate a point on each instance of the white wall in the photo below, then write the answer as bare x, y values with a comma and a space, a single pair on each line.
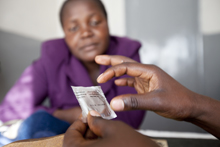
39, 19
32, 18
210, 16
116, 19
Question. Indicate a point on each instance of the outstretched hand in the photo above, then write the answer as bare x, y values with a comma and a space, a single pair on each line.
157, 91
110, 133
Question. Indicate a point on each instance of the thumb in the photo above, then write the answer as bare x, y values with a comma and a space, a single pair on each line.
147, 101
98, 125
74, 134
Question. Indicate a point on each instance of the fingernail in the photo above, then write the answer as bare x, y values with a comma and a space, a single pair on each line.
94, 113
117, 104
97, 58
99, 78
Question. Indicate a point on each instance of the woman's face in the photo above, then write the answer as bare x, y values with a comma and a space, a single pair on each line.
86, 29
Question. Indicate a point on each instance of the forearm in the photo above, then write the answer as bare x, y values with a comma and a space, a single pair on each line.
207, 115
68, 115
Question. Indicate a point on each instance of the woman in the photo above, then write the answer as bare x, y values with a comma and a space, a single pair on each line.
66, 62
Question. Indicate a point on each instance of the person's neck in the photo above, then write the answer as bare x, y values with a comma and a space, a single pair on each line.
93, 70
91, 66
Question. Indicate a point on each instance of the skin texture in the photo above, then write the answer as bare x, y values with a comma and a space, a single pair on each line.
87, 35
110, 133
159, 92
68, 115
86, 29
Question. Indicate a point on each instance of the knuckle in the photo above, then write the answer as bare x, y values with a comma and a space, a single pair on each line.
153, 67
131, 102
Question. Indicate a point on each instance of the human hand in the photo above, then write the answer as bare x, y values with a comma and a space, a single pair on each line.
157, 91
111, 133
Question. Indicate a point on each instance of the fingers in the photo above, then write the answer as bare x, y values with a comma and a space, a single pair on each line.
150, 101
78, 128
98, 125
89, 134
131, 69
125, 82
112, 60
74, 134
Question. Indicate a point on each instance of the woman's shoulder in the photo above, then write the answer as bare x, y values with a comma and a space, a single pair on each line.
53, 52
54, 45
54, 48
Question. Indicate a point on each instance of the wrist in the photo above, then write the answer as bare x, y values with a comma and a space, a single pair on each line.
206, 114
199, 108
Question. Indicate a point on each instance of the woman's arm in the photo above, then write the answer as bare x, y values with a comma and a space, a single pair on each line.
68, 115
27, 94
